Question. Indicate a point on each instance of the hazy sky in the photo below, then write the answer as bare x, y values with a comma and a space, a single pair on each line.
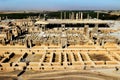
59, 4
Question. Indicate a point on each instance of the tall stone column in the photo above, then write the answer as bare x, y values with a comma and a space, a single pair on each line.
61, 15
77, 16
88, 16
81, 16
64, 15
72, 16
39, 16
0, 19
97, 15
69, 15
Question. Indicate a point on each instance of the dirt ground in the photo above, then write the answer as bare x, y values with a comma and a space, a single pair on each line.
69, 75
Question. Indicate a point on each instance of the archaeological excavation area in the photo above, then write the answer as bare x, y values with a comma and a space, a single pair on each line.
83, 58
33, 46
24, 62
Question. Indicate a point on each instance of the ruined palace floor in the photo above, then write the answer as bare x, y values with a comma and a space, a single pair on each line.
75, 61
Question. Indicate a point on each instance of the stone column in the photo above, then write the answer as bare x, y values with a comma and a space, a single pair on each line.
39, 16
86, 32
69, 15
87, 16
0, 19
77, 16
64, 15
61, 15
96, 28
81, 16
63, 40
72, 16
6, 18
45, 18
97, 15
